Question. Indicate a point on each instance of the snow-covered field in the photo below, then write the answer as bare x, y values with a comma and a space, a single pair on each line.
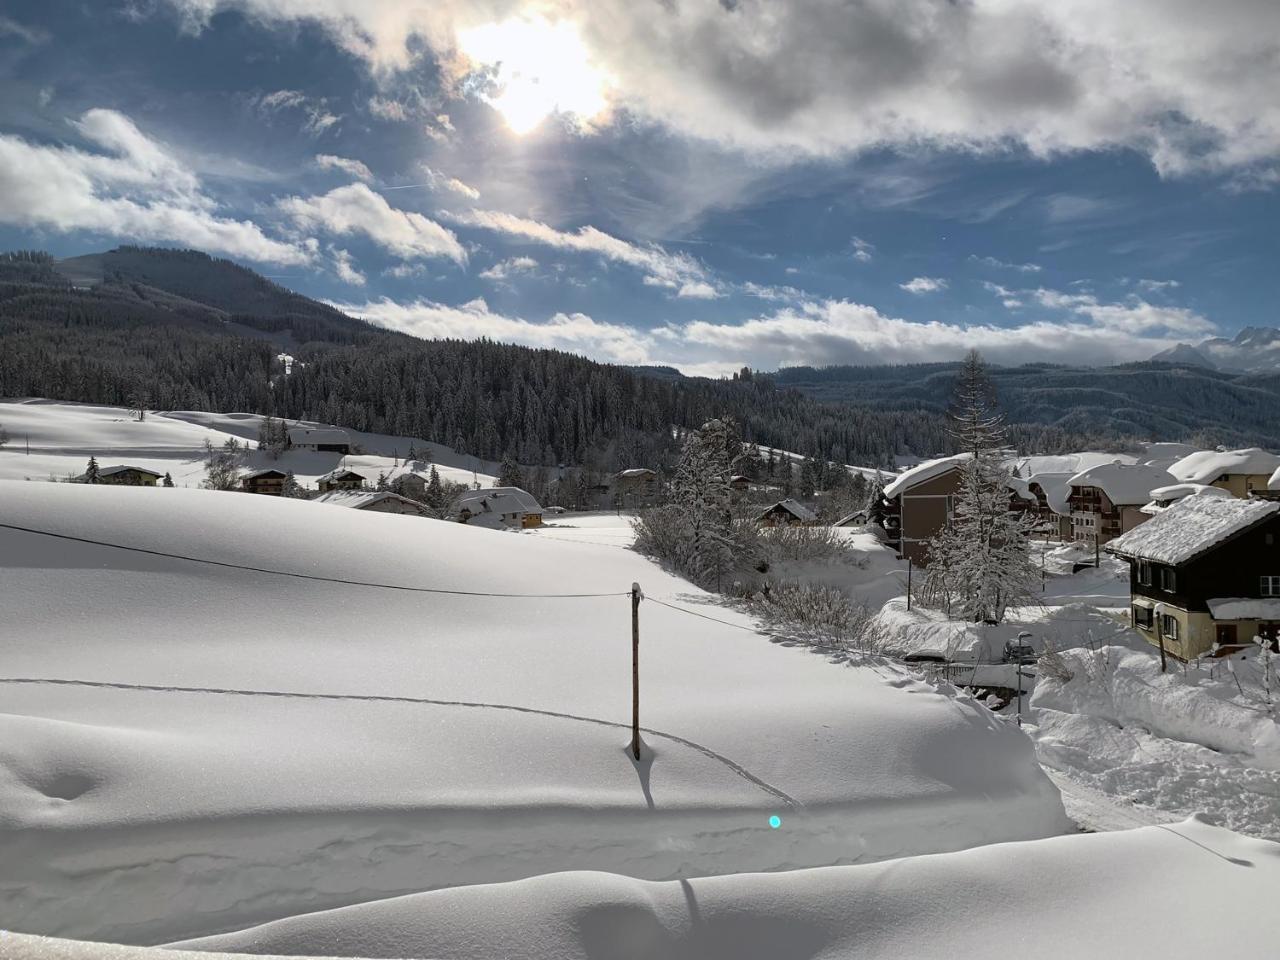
54, 440
189, 748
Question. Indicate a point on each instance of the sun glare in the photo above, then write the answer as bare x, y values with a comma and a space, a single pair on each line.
538, 68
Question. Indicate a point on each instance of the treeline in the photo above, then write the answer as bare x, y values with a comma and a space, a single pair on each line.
192, 332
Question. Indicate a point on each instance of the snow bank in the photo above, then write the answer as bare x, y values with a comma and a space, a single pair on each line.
1182, 741
1068, 897
236, 746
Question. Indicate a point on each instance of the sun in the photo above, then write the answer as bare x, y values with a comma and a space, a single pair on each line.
537, 68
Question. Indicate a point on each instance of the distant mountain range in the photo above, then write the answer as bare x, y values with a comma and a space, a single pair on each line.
1252, 350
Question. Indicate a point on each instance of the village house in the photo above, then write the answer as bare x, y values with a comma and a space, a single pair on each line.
497, 508
636, 486
1162, 498
1239, 472
918, 503
340, 479
856, 519
1051, 504
1205, 571
269, 481
407, 483
377, 501
787, 513
739, 483
124, 475
321, 439
1107, 500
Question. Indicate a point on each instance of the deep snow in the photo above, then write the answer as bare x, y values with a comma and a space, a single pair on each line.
275, 781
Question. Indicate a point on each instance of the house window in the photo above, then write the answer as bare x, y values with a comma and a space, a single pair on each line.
1142, 617
1168, 579
1271, 586
1269, 539
1169, 626
1144, 573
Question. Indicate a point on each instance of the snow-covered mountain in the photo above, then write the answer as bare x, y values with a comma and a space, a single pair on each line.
1252, 350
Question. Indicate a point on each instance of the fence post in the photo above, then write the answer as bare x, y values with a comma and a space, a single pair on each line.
635, 670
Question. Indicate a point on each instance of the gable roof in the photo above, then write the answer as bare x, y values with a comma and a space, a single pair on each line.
925, 471
1207, 465
1190, 527
634, 472
793, 507
360, 499
265, 472
318, 435
122, 468
341, 474
1125, 484
855, 519
496, 500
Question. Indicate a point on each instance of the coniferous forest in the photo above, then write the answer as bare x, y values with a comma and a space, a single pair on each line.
191, 332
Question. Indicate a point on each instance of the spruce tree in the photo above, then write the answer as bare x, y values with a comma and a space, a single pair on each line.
509, 474
435, 489
91, 474
980, 562
702, 494
168, 480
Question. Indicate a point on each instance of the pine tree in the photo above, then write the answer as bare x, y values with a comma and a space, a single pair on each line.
91, 474
980, 563
4, 436
382, 482
875, 500
168, 480
702, 495
435, 490
292, 488
509, 474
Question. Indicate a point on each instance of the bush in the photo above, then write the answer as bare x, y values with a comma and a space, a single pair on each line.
819, 614
803, 543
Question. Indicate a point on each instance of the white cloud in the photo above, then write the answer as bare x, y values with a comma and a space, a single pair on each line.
1010, 299
862, 250
923, 285
574, 332
136, 189
318, 116
345, 268
355, 168
442, 181
1191, 85
1005, 265
506, 269
676, 271
388, 109
357, 209
698, 290
12, 28
1158, 286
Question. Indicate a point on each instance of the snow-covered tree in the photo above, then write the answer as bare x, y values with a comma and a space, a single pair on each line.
980, 562
509, 474
222, 466
875, 500
91, 474
4, 435
382, 484
273, 436
292, 488
168, 480
435, 490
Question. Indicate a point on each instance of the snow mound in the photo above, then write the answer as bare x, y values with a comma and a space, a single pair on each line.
1068, 897
192, 747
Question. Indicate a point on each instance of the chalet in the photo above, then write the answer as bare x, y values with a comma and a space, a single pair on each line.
498, 508
1205, 571
269, 481
1107, 500
409, 484
377, 501
918, 503
322, 439
1050, 506
340, 480
635, 486
1239, 472
739, 483
124, 475
787, 513
858, 518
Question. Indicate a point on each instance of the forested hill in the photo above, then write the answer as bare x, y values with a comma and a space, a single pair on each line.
193, 332
1154, 400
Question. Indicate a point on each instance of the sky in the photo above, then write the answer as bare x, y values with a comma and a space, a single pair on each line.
706, 185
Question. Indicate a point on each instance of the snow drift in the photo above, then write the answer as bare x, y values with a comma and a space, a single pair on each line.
192, 747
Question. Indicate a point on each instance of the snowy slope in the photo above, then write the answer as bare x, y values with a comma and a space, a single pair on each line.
62, 436
253, 761
1068, 897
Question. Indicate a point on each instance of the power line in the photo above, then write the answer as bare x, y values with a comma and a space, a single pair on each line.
307, 576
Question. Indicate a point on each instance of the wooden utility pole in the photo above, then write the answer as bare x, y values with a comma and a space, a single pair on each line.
908, 581
635, 670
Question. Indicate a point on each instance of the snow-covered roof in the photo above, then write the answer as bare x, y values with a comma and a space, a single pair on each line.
1162, 497
360, 499
1165, 453
1245, 608
1207, 465
1067, 463
1056, 487
1190, 527
855, 519
264, 472
632, 473
793, 507
309, 435
1274, 482
925, 471
340, 474
123, 468
1124, 483
496, 500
